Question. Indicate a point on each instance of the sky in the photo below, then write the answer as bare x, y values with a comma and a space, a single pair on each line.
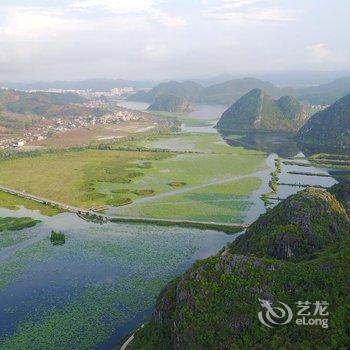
168, 39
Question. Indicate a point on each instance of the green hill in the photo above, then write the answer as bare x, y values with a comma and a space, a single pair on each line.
170, 103
223, 93
38, 103
186, 89
258, 111
296, 227
230, 91
325, 93
215, 304
330, 127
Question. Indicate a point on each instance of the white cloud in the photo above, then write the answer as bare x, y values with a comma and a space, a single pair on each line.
249, 10
320, 52
149, 8
117, 6
34, 22
321, 56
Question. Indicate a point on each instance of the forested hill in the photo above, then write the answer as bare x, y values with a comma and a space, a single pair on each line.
330, 127
257, 110
187, 89
230, 91
39, 103
297, 251
170, 103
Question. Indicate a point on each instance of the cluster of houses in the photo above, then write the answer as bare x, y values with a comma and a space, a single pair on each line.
48, 127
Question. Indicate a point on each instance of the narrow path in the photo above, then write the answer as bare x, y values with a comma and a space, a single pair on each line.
124, 346
189, 189
115, 218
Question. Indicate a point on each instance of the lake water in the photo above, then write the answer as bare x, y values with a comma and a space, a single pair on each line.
102, 283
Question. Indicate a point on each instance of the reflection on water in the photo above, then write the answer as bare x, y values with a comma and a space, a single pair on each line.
292, 178
279, 143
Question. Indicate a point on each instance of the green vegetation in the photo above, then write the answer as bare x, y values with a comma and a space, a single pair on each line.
57, 238
186, 89
285, 232
177, 184
330, 127
215, 304
181, 118
231, 90
206, 179
15, 224
20, 110
35, 102
170, 103
145, 168
342, 192
144, 192
258, 111
13, 202
226, 203
83, 177
138, 261
273, 183
12, 230
117, 201
222, 93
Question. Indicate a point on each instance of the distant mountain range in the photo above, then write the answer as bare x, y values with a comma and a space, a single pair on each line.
230, 91
187, 89
213, 91
93, 84
257, 110
326, 93
170, 103
330, 127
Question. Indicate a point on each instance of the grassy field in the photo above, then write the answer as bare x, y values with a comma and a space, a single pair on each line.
72, 176
12, 202
88, 178
206, 179
219, 203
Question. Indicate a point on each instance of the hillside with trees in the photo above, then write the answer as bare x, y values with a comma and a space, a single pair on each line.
330, 127
288, 255
259, 111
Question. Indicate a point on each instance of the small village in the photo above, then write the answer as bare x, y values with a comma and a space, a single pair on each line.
48, 127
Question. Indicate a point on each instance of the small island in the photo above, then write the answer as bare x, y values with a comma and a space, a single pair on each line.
57, 238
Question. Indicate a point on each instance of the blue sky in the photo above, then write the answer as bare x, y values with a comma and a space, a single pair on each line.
163, 39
